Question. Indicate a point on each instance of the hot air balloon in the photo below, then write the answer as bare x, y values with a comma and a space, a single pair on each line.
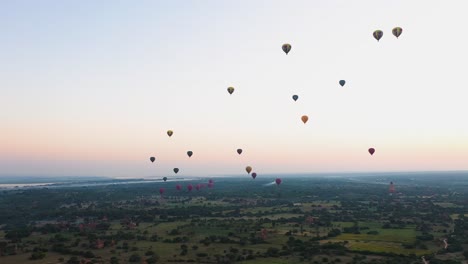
295, 97
152, 159
198, 186
189, 153
371, 151
254, 175
391, 189
286, 48
178, 187
397, 31
210, 181
161, 191
176, 170
230, 90
189, 187
378, 34
169, 133
278, 181
304, 118
165, 179
248, 169
342, 82
239, 151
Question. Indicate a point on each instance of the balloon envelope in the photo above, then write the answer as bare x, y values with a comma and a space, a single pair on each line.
230, 90
304, 118
152, 159
178, 187
295, 97
189, 153
342, 82
210, 181
371, 151
254, 175
378, 34
161, 190
248, 169
169, 133
239, 151
189, 187
198, 186
286, 48
176, 170
278, 181
397, 31
165, 179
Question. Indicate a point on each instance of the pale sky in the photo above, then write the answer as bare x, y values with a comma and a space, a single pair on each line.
91, 87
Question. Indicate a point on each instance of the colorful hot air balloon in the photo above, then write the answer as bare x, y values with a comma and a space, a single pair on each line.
342, 82
391, 189
161, 191
371, 151
178, 187
295, 97
230, 90
165, 179
254, 175
152, 159
304, 118
176, 170
189, 153
239, 151
198, 186
397, 31
248, 169
169, 133
378, 34
286, 48
278, 181
189, 187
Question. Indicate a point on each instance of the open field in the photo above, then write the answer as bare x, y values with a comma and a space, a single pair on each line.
336, 225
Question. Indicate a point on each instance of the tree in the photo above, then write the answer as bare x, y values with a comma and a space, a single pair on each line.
37, 255
134, 258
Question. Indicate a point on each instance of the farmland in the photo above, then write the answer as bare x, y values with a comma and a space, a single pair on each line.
239, 220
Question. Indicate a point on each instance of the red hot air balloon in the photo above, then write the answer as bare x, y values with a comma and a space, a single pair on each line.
391, 189
254, 175
198, 186
161, 191
371, 151
210, 181
278, 181
178, 187
189, 187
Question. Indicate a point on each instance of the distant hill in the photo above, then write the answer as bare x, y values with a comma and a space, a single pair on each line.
49, 179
